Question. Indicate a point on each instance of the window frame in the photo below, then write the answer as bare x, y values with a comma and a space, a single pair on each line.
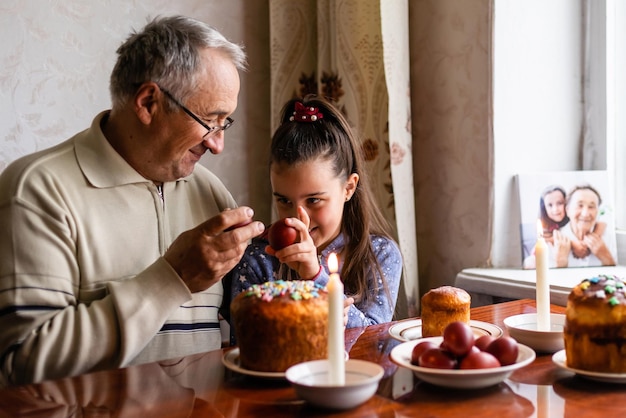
604, 133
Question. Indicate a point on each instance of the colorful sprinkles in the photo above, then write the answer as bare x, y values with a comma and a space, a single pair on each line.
294, 289
609, 287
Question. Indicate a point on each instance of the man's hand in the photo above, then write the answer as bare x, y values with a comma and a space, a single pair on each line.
598, 247
579, 249
203, 255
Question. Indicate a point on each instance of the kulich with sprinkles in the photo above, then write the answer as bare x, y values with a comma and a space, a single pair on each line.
294, 289
280, 323
595, 325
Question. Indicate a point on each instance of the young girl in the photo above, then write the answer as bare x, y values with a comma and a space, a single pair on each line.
552, 210
317, 174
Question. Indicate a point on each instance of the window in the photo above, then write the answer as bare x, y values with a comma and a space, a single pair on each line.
617, 105
605, 97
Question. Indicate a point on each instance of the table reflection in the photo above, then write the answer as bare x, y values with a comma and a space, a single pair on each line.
124, 394
576, 393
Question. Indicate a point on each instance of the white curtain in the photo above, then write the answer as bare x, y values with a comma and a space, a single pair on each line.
356, 51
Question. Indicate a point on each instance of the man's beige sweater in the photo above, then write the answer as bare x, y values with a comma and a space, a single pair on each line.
83, 285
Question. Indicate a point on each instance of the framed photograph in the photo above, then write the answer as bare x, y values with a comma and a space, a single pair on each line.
574, 211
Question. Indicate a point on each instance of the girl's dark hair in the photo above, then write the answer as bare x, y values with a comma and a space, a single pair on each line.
332, 139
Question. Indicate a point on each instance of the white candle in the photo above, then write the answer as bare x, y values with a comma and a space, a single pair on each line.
543, 285
336, 344
543, 401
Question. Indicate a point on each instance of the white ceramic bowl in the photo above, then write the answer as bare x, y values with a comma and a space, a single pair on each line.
524, 329
310, 380
459, 379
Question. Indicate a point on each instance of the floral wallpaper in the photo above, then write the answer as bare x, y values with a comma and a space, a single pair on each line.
55, 61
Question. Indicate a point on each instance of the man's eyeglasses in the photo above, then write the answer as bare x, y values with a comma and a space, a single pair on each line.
210, 129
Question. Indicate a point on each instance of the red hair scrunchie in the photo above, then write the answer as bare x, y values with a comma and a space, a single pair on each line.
304, 113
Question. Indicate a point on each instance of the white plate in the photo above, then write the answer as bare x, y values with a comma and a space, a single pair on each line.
560, 359
524, 329
459, 379
230, 359
411, 329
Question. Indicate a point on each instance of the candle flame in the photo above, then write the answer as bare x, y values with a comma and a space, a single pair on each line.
333, 264
539, 229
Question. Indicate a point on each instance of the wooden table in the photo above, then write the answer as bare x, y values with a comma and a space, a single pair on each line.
200, 386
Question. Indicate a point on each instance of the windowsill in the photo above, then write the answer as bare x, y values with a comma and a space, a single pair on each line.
520, 284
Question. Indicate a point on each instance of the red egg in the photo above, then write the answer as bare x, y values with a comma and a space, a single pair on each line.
483, 341
419, 349
473, 350
281, 235
458, 338
437, 359
505, 349
479, 360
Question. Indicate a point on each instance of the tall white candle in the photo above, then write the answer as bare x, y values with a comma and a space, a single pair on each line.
543, 285
336, 343
543, 401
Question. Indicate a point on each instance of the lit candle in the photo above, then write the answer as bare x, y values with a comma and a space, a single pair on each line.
543, 285
336, 344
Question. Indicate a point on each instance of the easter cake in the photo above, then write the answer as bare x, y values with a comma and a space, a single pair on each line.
595, 325
442, 306
280, 323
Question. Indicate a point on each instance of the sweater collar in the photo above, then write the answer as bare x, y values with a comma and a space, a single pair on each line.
100, 162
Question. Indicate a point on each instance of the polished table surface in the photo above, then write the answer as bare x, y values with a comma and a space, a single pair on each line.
200, 386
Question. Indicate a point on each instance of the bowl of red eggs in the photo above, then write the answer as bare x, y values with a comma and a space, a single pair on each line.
460, 360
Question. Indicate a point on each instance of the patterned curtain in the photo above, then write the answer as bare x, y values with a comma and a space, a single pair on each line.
357, 52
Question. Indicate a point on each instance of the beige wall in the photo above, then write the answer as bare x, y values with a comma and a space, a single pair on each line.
451, 54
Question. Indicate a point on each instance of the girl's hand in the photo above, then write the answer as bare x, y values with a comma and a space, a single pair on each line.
562, 247
347, 302
301, 256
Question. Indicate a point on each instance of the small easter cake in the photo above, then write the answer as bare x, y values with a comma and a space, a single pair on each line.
278, 324
442, 306
595, 325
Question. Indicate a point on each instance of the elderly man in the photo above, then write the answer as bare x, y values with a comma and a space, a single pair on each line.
583, 209
113, 243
